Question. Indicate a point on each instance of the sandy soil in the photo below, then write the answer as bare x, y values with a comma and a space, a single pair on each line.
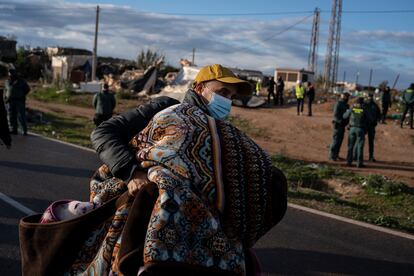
306, 138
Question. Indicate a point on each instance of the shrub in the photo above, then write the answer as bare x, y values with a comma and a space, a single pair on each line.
379, 184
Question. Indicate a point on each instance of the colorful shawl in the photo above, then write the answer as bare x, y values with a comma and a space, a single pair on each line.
215, 198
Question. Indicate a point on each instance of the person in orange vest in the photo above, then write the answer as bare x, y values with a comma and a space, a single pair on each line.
300, 97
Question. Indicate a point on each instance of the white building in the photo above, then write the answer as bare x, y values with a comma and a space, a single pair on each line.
291, 76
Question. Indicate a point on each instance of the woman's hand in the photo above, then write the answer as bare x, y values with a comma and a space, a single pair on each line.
137, 182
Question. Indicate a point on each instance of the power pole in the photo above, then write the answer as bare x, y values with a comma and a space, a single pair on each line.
95, 46
344, 79
313, 48
332, 49
192, 61
370, 77
396, 80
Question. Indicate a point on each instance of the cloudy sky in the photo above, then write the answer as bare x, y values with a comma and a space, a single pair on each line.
260, 35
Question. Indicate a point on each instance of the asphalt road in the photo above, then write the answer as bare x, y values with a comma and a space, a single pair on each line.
37, 171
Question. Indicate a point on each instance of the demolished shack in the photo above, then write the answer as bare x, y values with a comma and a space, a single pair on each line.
146, 82
8, 51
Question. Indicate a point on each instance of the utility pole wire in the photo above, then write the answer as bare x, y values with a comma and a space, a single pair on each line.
8, 6
278, 33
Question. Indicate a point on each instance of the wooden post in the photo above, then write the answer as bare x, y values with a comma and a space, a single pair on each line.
95, 46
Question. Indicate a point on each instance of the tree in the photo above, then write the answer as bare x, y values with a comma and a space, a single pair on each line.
147, 58
22, 66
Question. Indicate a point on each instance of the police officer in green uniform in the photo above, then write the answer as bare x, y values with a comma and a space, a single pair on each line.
408, 100
104, 103
358, 122
373, 113
339, 124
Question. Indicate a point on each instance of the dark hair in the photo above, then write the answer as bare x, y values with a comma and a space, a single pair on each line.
412, 85
360, 100
106, 86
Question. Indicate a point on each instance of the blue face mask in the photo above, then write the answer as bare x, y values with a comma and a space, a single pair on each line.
219, 106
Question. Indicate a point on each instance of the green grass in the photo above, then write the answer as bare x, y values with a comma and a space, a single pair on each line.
381, 201
63, 96
73, 130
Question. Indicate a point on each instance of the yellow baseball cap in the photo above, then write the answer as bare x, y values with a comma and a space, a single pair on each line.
223, 74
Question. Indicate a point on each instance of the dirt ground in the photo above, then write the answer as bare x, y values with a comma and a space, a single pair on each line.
307, 138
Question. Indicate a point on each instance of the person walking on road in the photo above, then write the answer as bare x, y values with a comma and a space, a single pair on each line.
358, 124
300, 97
280, 87
271, 90
104, 103
15, 98
339, 124
310, 94
373, 117
408, 100
4, 126
385, 102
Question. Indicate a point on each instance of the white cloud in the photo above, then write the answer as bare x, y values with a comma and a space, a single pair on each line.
244, 43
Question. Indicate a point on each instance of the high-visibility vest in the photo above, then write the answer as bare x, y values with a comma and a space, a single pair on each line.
258, 86
300, 92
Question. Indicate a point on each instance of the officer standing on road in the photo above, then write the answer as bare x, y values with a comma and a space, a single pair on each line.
358, 123
339, 124
15, 98
408, 100
271, 90
104, 104
280, 87
300, 96
385, 102
373, 117
310, 94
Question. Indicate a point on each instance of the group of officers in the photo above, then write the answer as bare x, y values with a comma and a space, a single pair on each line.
300, 92
362, 118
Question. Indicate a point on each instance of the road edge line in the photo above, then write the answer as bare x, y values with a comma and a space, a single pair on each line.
17, 205
352, 221
62, 142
